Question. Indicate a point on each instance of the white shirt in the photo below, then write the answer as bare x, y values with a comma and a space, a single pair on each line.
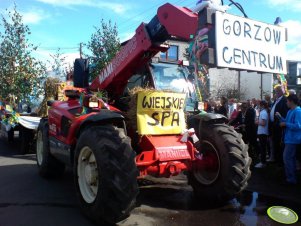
263, 115
231, 109
272, 113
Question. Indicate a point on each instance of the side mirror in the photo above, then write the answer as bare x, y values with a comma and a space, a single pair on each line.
81, 73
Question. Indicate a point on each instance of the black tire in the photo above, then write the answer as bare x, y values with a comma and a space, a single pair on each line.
26, 140
10, 136
49, 167
116, 174
234, 164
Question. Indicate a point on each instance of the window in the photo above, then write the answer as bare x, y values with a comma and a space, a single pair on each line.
171, 54
137, 80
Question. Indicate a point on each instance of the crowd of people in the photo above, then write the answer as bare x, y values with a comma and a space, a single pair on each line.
271, 127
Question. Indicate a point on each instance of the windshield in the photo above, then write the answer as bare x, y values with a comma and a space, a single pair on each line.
175, 78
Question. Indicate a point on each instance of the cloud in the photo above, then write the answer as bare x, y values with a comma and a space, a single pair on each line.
294, 37
70, 58
293, 5
45, 56
294, 53
294, 31
34, 16
126, 36
116, 7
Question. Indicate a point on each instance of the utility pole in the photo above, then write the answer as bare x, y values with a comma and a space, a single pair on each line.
81, 50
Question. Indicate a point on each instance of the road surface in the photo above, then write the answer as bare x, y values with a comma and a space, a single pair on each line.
27, 199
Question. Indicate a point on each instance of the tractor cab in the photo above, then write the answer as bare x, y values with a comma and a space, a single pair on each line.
176, 78
165, 76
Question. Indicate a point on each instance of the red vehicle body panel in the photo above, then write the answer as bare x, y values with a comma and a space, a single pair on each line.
140, 48
164, 155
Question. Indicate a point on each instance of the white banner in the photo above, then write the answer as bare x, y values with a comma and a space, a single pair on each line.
247, 44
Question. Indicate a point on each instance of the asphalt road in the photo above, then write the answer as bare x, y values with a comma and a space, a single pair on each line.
29, 200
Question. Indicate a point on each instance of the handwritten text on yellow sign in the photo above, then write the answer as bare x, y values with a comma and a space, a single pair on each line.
160, 112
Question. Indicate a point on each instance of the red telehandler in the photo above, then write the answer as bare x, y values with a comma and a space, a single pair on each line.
108, 156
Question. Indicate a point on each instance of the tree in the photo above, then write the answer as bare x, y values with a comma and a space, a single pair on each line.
59, 65
229, 90
21, 75
104, 44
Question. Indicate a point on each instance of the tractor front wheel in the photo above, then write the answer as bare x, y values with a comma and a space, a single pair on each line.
223, 169
105, 174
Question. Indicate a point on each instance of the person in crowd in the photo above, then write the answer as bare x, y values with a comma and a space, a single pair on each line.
217, 105
231, 107
262, 132
235, 116
292, 92
235, 113
276, 131
257, 108
212, 103
245, 124
298, 155
254, 103
251, 128
223, 109
268, 99
292, 137
237, 120
207, 106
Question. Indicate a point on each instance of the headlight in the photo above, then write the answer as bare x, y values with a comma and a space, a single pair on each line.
93, 104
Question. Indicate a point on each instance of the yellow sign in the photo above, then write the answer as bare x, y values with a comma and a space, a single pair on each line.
160, 113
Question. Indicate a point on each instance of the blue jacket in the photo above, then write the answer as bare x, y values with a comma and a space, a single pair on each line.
293, 126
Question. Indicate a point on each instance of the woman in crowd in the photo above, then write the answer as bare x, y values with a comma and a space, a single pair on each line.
223, 109
235, 116
262, 132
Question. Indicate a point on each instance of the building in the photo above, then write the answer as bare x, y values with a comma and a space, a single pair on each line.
294, 75
242, 84
247, 85
176, 51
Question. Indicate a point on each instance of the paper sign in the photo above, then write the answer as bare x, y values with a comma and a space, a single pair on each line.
250, 45
160, 113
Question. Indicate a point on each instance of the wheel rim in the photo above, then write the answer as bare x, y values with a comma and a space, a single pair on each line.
207, 170
87, 174
40, 148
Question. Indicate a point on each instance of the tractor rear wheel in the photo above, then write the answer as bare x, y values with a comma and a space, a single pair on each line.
223, 170
48, 165
26, 140
105, 174
10, 136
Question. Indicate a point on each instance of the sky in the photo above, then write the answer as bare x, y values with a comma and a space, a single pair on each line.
66, 23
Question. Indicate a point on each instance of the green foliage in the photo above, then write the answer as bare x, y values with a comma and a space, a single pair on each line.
104, 44
21, 75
